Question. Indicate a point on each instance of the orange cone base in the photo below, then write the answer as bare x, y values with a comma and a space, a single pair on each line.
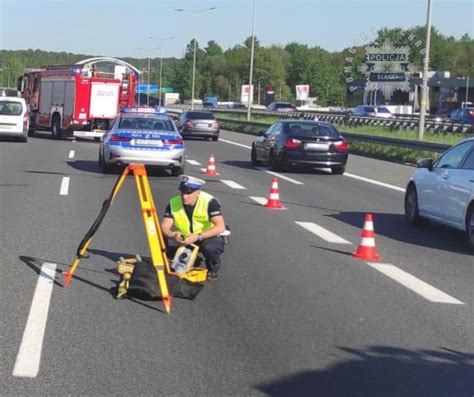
274, 204
366, 253
210, 173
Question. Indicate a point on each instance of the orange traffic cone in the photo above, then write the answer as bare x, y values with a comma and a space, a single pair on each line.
366, 249
211, 166
274, 199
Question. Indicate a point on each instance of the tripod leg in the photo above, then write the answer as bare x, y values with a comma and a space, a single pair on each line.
84, 245
152, 230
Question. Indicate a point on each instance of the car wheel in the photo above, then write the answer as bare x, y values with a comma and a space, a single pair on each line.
274, 164
338, 170
253, 156
177, 171
412, 214
56, 127
215, 138
470, 226
104, 167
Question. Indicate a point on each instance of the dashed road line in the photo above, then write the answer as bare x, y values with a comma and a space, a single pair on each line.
64, 190
205, 170
29, 355
263, 201
323, 233
193, 162
235, 143
360, 178
418, 286
232, 184
259, 200
71, 154
286, 178
374, 182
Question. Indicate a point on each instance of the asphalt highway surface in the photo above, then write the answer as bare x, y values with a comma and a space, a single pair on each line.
292, 313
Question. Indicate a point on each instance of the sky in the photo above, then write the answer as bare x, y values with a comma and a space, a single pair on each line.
120, 28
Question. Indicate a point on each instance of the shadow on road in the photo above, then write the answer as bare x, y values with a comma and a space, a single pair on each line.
394, 226
292, 170
36, 263
92, 166
384, 371
240, 164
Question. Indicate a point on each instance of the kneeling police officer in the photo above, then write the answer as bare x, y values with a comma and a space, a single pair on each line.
197, 216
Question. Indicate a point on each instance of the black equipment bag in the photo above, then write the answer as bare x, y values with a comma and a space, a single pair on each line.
144, 284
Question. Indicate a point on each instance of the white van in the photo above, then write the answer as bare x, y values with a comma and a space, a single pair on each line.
14, 118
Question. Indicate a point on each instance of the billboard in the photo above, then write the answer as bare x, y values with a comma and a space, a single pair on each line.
302, 92
244, 95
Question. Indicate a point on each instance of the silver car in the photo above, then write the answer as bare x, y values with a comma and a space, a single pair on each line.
443, 190
143, 136
201, 124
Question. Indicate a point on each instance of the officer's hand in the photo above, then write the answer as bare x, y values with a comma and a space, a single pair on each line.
179, 238
192, 238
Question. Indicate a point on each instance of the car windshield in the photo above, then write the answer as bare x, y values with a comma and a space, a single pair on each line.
10, 108
283, 105
145, 123
369, 109
200, 116
383, 110
312, 130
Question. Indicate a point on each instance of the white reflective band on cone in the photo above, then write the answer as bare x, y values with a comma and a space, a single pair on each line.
367, 242
369, 225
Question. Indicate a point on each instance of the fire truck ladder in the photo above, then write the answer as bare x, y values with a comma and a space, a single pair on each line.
152, 229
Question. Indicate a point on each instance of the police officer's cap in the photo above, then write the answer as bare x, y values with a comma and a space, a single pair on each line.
190, 183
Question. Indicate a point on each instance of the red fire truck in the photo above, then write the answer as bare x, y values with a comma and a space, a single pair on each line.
80, 99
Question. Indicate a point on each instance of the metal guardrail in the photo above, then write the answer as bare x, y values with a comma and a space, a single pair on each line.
395, 124
352, 137
401, 143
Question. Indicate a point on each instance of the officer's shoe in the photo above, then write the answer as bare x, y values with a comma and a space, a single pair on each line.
212, 276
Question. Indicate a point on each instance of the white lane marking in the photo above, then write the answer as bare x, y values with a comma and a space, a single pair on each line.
193, 162
205, 170
415, 284
323, 233
281, 176
374, 182
235, 143
63, 191
232, 184
71, 154
260, 200
29, 356
361, 178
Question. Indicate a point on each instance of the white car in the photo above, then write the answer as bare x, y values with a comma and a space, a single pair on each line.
14, 118
443, 190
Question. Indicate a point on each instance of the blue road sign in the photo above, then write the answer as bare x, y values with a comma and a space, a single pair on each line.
144, 88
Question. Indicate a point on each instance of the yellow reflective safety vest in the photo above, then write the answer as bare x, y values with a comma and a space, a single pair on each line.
201, 221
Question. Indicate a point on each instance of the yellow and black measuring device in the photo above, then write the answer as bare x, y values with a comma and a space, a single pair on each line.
152, 228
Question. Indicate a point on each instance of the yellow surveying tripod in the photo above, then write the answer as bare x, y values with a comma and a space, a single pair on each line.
152, 229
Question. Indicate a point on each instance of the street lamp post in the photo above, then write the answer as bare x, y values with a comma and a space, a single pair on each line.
467, 91
195, 12
148, 85
424, 89
251, 61
148, 77
160, 89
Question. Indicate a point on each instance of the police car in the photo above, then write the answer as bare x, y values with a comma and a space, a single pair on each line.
142, 135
